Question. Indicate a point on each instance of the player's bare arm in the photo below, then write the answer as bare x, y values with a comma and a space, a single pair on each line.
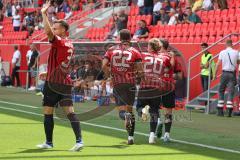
46, 23
105, 68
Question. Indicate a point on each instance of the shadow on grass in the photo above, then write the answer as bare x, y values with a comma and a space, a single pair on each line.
93, 155
36, 150
111, 146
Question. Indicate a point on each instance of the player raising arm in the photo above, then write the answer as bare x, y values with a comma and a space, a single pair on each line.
57, 88
123, 62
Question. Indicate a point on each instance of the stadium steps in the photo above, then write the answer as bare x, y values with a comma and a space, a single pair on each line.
198, 102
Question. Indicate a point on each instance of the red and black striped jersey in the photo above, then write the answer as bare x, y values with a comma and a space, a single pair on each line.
122, 62
58, 61
156, 65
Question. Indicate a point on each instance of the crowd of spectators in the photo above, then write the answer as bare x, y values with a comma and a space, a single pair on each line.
164, 12
171, 12
25, 20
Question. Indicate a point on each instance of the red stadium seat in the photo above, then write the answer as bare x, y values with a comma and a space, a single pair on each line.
177, 40
211, 39
218, 38
184, 40
149, 19
235, 38
218, 26
197, 40
204, 39
190, 40
232, 26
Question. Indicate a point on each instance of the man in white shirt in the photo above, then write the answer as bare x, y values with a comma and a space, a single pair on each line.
14, 9
173, 17
229, 58
207, 5
157, 6
16, 21
16, 63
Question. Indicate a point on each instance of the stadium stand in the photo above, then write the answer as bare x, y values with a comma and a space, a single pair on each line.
216, 24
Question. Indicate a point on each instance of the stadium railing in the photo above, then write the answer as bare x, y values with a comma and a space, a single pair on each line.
194, 58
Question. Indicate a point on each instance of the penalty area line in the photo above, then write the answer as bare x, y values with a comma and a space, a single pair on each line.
138, 133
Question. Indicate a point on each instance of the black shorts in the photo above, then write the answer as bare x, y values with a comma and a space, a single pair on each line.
124, 94
154, 104
154, 100
57, 94
168, 100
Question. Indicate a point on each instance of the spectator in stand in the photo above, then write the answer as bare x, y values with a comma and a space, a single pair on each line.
16, 63
157, 6
140, 4
207, 5
173, 17
68, 14
181, 16
222, 4
148, 7
156, 11
14, 5
51, 11
16, 21
63, 7
120, 22
166, 6
143, 31
197, 5
192, 17
39, 24
164, 17
29, 22
9, 10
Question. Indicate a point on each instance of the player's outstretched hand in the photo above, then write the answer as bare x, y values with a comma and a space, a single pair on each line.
45, 8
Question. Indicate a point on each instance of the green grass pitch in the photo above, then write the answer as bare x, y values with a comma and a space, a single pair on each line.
21, 129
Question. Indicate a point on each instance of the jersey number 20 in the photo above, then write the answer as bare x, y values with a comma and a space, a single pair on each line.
153, 65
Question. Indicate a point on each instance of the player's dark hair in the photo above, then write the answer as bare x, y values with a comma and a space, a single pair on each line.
155, 44
165, 43
125, 35
63, 24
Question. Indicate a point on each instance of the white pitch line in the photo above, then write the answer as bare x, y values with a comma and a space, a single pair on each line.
17, 104
138, 133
